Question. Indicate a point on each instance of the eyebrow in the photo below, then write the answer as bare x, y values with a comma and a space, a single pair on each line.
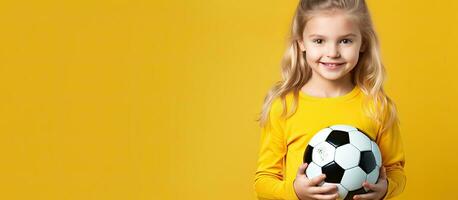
346, 35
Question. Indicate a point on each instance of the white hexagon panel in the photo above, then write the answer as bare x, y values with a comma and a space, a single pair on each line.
373, 176
360, 140
323, 154
313, 170
320, 137
353, 178
342, 127
347, 156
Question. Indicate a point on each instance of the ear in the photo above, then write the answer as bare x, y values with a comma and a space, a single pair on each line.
301, 45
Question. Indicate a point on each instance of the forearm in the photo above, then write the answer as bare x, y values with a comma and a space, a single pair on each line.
268, 187
396, 181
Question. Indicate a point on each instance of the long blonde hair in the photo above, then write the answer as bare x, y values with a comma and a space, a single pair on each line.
369, 73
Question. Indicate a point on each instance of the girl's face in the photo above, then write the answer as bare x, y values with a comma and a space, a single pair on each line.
332, 44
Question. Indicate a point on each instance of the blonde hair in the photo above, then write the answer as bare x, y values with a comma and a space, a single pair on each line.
369, 73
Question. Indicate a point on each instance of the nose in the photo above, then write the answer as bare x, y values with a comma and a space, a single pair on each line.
332, 51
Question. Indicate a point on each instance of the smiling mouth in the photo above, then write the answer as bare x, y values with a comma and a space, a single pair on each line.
332, 64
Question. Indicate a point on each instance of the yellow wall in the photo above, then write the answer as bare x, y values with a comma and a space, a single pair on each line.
157, 99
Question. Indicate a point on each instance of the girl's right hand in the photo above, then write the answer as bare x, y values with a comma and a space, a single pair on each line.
308, 188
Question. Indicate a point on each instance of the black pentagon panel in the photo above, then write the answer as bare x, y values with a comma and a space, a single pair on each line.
350, 194
367, 161
338, 138
333, 171
308, 154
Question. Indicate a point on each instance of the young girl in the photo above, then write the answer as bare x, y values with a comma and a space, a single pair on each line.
332, 74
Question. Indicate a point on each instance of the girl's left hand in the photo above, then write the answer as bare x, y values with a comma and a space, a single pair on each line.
378, 190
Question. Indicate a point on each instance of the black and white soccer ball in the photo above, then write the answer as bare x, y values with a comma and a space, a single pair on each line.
346, 155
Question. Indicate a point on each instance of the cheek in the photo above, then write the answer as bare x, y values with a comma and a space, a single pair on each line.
313, 55
351, 55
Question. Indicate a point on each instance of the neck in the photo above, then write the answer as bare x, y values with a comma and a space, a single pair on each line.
328, 88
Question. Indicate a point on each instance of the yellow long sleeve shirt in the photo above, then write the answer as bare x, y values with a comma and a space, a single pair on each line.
282, 144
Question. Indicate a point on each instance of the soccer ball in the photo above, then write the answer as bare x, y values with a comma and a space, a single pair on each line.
346, 155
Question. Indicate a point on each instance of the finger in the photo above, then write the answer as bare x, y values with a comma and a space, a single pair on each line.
383, 173
331, 189
317, 180
367, 196
301, 170
370, 186
325, 196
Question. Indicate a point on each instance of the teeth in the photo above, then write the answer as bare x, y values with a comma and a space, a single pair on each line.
330, 64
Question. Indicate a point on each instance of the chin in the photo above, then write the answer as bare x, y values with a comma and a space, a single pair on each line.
332, 78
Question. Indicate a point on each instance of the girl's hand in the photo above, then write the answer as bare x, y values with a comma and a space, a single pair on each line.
378, 190
307, 188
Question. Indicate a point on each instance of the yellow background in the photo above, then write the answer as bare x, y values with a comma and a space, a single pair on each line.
157, 99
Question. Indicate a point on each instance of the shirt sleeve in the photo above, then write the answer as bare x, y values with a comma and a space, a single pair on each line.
393, 158
268, 181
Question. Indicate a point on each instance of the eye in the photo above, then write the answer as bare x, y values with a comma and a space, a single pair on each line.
346, 41
318, 41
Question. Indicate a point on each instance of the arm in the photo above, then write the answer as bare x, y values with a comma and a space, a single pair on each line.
392, 151
269, 183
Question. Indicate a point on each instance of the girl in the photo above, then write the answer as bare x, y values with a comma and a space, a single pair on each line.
332, 74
